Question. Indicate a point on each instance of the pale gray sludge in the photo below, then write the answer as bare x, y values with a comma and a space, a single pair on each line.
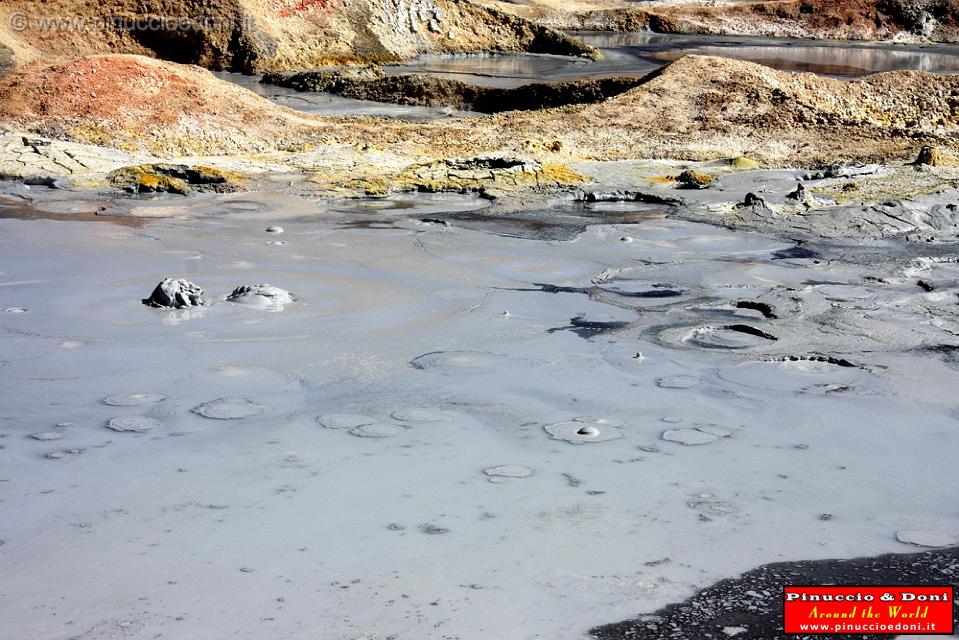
394, 455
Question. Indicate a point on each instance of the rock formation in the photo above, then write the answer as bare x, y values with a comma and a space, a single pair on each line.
930, 156
697, 108
838, 19
262, 35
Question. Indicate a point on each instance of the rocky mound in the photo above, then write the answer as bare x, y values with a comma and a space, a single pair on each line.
263, 35
140, 104
698, 108
703, 107
433, 91
839, 19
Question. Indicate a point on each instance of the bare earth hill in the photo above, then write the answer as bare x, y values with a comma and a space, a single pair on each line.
696, 108
265, 35
936, 20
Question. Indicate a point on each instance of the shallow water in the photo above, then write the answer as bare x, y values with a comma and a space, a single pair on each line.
421, 445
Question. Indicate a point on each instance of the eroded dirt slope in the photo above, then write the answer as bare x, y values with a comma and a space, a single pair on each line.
936, 20
696, 108
261, 35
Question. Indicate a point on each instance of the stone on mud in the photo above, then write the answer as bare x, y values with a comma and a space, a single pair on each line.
693, 180
930, 156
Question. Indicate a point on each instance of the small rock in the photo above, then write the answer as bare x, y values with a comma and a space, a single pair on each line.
274, 229
691, 180
799, 194
752, 200
930, 156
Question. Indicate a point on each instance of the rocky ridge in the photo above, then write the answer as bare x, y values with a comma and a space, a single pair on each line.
936, 20
698, 108
262, 35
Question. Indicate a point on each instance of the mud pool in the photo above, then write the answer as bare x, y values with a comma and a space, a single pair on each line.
637, 54
626, 55
455, 430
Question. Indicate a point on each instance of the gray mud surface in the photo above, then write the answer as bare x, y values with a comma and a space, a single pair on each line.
665, 403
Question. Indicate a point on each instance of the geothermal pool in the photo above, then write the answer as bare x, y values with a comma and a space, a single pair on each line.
463, 427
624, 54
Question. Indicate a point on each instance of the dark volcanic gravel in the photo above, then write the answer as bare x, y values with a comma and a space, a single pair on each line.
754, 601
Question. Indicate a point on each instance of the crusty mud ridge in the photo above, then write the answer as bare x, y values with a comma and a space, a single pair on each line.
426, 90
750, 607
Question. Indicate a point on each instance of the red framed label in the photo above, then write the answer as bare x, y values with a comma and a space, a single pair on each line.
854, 610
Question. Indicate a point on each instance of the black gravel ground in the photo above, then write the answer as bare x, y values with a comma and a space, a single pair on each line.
755, 602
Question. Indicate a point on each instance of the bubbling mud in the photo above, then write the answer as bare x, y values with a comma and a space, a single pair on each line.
262, 296
576, 432
343, 420
792, 375
737, 336
46, 436
377, 430
458, 362
421, 414
700, 435
927, 538
133, 424
678, 382
509, 471
132, 399
228, 409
